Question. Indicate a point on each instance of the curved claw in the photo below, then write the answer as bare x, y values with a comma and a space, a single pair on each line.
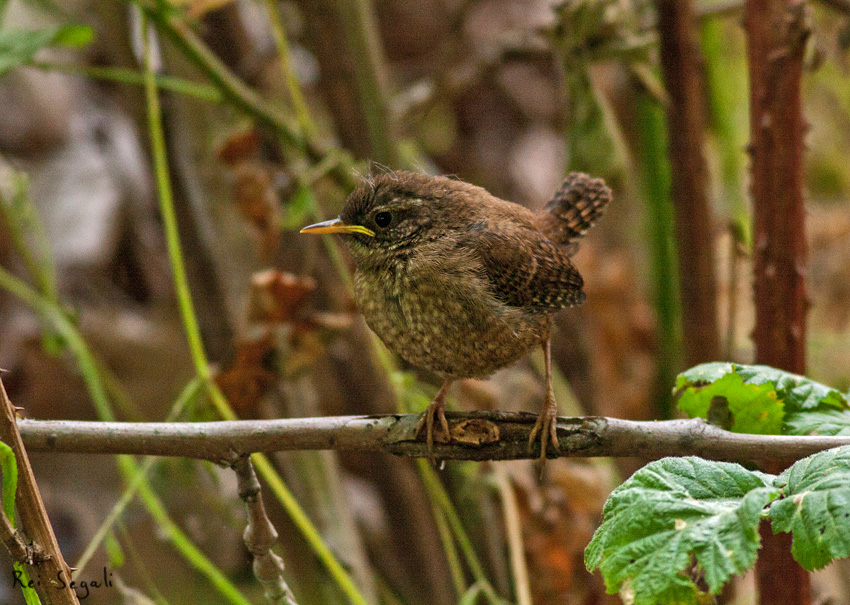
436, 408
546, 424
427, 422
546, 428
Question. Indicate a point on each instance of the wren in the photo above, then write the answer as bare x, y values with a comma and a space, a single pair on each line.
463, 283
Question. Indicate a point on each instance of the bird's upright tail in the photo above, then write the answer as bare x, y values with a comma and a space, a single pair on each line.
574, 209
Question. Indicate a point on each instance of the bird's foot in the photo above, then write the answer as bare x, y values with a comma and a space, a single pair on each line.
545, 428
436, 408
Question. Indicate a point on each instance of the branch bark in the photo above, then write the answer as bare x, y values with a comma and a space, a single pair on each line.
260, 536
776, 35
480, 435
50, 574
681, 65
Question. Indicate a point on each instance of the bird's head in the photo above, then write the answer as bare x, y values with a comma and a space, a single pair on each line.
389, 214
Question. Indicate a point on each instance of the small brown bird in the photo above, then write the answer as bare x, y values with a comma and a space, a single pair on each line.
463, 283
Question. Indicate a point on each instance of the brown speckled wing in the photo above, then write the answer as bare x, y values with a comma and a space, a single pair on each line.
526, 269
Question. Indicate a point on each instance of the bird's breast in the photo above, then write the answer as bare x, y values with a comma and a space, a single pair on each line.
443, 317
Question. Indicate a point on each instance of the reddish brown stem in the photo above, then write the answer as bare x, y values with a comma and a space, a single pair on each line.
681, 67
776, 34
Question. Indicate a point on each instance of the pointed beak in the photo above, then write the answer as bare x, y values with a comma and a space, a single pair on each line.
337, 226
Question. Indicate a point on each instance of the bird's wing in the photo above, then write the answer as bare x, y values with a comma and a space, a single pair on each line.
525, 268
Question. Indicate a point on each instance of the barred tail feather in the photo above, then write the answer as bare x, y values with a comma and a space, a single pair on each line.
577, 204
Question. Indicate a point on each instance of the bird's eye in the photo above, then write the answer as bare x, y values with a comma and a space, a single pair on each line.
383, 219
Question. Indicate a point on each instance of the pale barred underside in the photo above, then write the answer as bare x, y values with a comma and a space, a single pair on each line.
447, 321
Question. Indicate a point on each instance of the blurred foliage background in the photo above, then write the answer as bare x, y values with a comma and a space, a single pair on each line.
270, 111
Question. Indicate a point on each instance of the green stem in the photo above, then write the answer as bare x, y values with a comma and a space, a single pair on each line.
302, 114
439, 495
307, 529
196, 558
20, 219
187, 395
234, 90
10, 488
52, 315
124, 75
190, 322
358, 20
656, 184
169, 217
455, 568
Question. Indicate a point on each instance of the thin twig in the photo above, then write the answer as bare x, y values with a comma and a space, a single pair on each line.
169, 216
13, 541
235, 91
480, 435
50, 573
260, 536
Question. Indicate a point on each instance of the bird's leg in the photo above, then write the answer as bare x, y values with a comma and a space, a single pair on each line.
546, 421
436, 408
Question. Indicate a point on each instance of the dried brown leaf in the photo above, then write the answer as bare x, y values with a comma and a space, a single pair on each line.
276, 296
254, 195
240, 147
249, 378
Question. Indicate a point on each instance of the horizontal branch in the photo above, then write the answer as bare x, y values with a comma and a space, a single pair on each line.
475, 436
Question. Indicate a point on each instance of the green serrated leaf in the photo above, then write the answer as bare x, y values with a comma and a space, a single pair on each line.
816, 507
798, 392
823, 420
672, 510
760, 398
703, 374
754, 408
